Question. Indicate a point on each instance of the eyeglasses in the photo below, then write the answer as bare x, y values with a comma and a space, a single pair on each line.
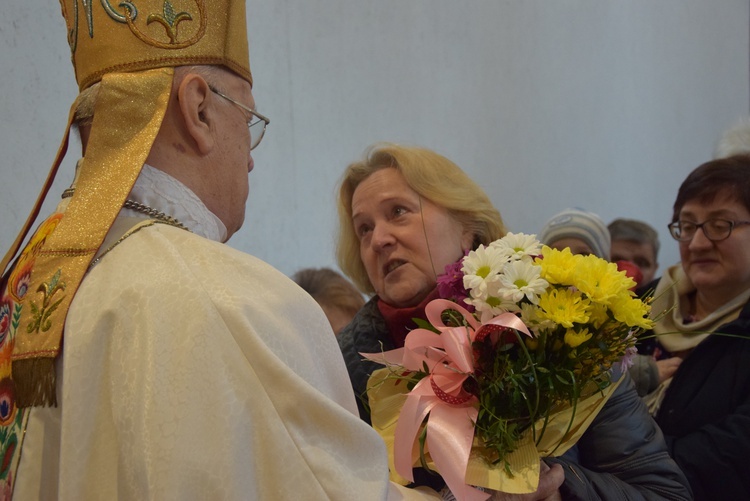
714, 229
257, 123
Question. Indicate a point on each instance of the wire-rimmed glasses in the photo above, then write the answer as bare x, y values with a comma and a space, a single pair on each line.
257, 123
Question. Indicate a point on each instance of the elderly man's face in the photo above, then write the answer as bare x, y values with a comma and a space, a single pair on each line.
226, 177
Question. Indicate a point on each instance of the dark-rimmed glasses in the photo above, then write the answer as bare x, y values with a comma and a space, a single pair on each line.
714, 229
256, 124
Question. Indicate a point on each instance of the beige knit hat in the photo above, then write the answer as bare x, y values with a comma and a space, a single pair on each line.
578, 223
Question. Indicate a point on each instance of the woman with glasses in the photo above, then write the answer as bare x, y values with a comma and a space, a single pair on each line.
703, 319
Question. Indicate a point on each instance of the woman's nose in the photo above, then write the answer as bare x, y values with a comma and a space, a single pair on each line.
382, 237
699, 240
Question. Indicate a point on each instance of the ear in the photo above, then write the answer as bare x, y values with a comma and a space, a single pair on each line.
467, 241
193, 98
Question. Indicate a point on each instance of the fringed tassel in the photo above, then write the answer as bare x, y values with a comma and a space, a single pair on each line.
34, 379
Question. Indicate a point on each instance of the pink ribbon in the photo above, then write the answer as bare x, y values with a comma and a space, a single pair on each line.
440, 397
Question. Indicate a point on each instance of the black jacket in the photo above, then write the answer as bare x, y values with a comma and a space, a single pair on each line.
705, 414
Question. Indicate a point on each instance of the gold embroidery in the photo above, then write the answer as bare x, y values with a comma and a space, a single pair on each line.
116, 15
40, 316
169, 20
88, 6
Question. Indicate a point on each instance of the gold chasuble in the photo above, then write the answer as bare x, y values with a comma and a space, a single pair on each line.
129, 50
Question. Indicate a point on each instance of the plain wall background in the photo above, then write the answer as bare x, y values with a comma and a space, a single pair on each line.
601, 104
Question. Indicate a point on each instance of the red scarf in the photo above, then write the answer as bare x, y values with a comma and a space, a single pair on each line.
400, 321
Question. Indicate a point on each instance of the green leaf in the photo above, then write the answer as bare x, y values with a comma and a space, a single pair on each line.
424, 324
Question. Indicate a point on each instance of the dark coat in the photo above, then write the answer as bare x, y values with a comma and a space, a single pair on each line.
621, 457
366, 333
705, 415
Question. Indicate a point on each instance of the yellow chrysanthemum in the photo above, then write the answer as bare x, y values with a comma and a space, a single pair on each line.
575, 338
598, 314
600, 280
558, 266
631, 311
564, 307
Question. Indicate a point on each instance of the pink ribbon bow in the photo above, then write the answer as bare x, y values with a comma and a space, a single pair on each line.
440, 397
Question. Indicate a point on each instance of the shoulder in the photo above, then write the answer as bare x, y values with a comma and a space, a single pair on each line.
164, 290
160, 254
366, 330
745, 314
169, 277
736, 331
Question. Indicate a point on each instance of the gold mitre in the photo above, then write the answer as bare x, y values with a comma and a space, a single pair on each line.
130, 49
144, 34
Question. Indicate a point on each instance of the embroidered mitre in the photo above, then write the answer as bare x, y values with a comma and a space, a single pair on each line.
130, 50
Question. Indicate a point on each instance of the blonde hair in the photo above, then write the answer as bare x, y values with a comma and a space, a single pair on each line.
430, 175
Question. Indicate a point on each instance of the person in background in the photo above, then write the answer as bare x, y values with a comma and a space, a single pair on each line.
585, 233
582, 231
637, 242
702, 312
337, 296
188, 370
405, 213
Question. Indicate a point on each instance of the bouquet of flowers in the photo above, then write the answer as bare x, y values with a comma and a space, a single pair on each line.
513, 364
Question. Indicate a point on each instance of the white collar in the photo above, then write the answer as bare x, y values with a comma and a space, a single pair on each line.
166, 194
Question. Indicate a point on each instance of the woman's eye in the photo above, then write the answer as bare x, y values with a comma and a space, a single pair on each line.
363, 230
399, 211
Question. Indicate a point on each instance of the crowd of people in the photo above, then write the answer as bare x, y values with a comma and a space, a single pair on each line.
406, 212
690, 378
141, 358
692, 368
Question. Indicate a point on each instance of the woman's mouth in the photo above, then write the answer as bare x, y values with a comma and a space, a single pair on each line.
392, 265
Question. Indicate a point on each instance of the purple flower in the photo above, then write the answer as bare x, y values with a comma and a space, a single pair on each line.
451, 283
627, 359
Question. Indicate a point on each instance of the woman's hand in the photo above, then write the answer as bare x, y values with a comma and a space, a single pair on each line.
667, 367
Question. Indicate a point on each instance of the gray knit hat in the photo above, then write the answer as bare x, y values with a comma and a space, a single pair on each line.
578, 223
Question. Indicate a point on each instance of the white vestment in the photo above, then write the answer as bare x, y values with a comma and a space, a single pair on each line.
193, 371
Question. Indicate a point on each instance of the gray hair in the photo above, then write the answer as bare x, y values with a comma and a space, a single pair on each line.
637, 231
86, 100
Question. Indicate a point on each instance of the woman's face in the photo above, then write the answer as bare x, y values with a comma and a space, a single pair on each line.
576, 246
720, 268
403, 245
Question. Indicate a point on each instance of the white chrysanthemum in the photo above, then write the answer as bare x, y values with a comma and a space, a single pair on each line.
491, 302
518, 246
481, 269
522, 279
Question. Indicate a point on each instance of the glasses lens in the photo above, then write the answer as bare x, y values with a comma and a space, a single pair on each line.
257, 129
676, 230
717, 229
683, 230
